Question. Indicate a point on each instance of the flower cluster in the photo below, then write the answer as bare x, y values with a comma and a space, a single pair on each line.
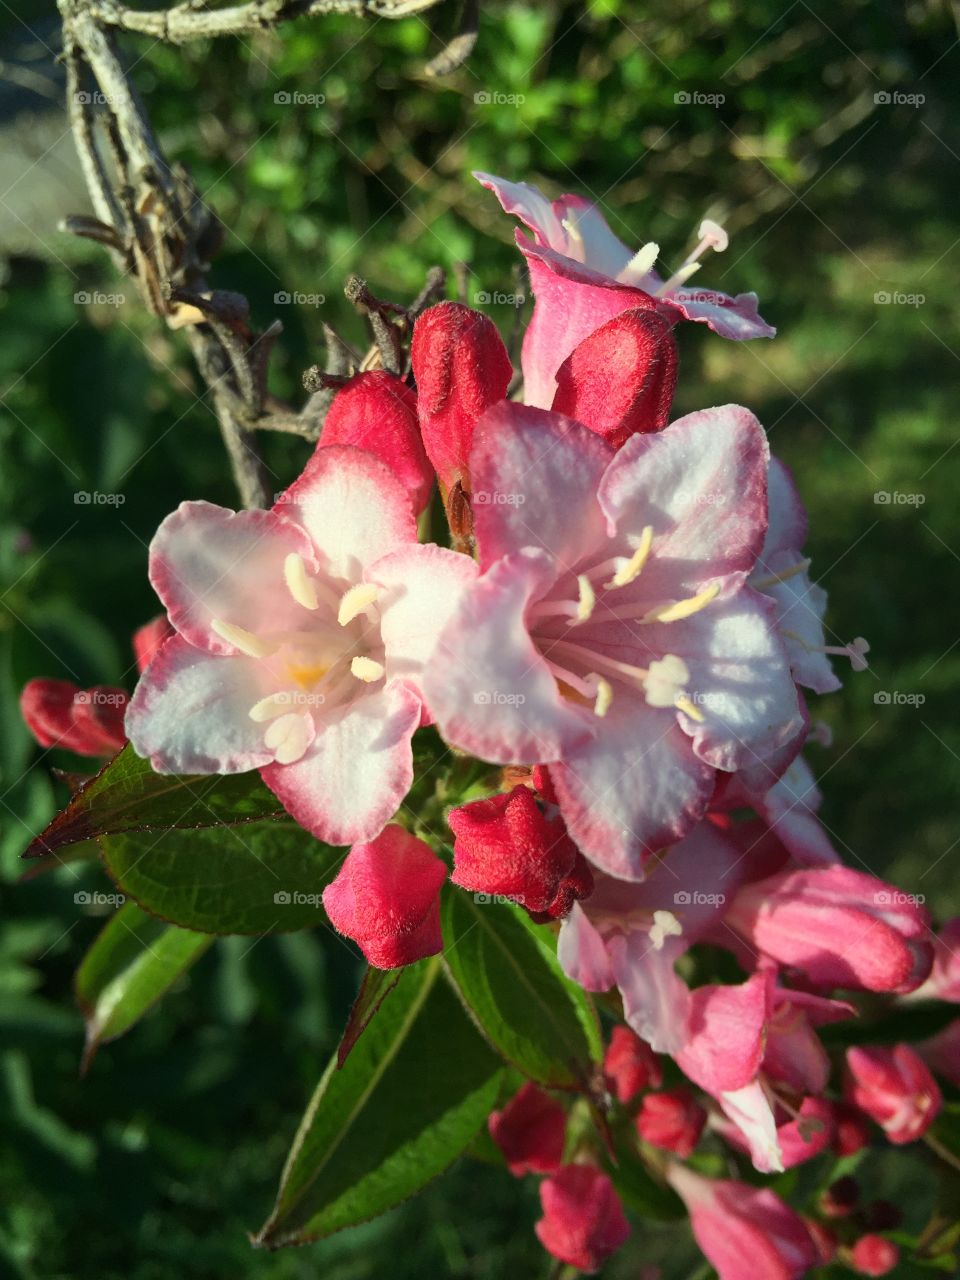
626, 628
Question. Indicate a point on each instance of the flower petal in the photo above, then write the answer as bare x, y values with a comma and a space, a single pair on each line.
737, 318
535, 477
352, 507
209, 563
359, 767
190, 712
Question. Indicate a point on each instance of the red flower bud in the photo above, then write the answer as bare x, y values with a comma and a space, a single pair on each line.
672, 1120
630, 1065
874, 1256
506, 845
461, 367
377, 411
87, 721
583, 1221
620, 380
148, 640
851, 1129
386, 897
530, 1131
895, 1088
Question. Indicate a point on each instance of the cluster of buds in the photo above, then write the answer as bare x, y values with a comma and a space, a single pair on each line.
624, 628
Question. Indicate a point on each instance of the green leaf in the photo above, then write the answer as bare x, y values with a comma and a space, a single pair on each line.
263, 878
126, 795
638, 1188
133, 962
507, 972
376, 986
413, 1093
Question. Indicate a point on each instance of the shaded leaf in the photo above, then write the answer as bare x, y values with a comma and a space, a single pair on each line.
411, 1096
376, 986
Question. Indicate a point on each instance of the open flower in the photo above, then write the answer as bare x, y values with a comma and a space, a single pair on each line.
611, 634
584, 276
302, 635
895, 1088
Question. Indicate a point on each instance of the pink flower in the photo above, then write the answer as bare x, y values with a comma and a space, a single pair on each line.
841, 928
631, 935
944, 980
302, 636
461, 367
386, 897
941, 1052
874, 1256
583, 276
789, 808
745, 1232
377, 411
672, 1120
583, 1221
88, 722
895, 1088
630, 1065
507, 845
530, 1131
610, 634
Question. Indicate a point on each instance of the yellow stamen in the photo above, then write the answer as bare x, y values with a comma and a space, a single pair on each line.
588, 598
288, 738
366, 669
631, 570
298, 583
243, 640
683, 703
762, 583
268, 708
355, 600
682, 608
604, 697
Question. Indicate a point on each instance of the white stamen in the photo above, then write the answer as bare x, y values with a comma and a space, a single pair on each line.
273, 705
288, 737
355, 600
641, 264
588, 598
784, 575
665, 680
253, 646
366, 669
299, 585
633, 567
665, 925
679, 277
714, 235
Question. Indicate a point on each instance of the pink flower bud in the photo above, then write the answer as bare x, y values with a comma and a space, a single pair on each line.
944, 980
461, 367
630, 1065
672, 1120
841, 928
745, 1232
874, 1256
86, 721
941, 1052
506, 845
148, 640
386, 897
895, 1088
620, 380
530, 1131
583, 1221
824, 1241
377, 411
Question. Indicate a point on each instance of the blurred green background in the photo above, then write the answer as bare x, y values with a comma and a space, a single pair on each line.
824, 136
